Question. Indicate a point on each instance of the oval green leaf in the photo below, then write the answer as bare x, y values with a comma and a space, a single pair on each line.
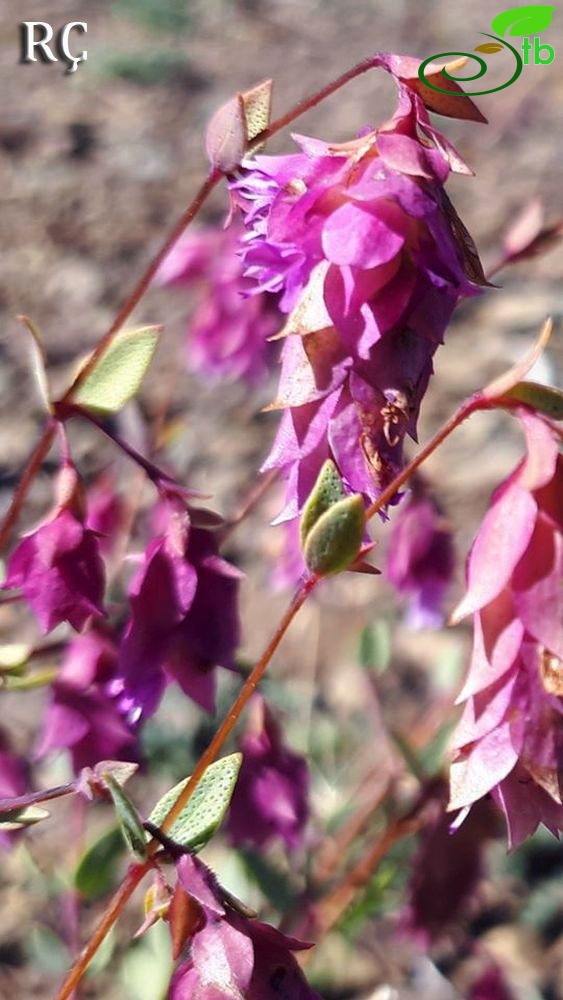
544, 398
204, 812
119, 373
527, 20
96, 872
327, 491
129, 820
335, 539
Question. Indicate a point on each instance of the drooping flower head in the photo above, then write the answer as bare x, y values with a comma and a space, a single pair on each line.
227, 331
510, 738
369, 257
58, 566
420, 557
234, 957
184, 613
85, 714
271, 795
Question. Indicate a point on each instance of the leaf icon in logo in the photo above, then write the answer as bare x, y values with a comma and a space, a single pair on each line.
528, 20
489, 47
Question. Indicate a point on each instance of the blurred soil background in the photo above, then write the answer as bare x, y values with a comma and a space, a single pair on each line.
94, 169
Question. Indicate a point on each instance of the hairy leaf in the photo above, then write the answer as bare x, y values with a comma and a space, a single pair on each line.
119, 373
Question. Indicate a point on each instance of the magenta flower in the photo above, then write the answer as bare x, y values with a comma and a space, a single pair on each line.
84, 716
13, 779
271, 795
58, 566
420, 557
370, 259
233, 957
446, 869
510, 738
106, 513
228, 331
184, 614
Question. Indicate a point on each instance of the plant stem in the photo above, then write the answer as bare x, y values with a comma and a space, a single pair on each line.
31, 798
137, 872
35, 462
134, 876
475, 402
142, 285
246, 692
248, 505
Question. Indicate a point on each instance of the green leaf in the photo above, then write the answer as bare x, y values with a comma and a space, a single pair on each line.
47, 951
544, 398
527, 20
14, 657
257, 108
327, 491
96, 871
129, 820
118, 374
17, 819
335, 539
375, 647
205, 811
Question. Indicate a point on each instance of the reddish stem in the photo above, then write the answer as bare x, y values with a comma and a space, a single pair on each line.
475, 402
21, 801
142, 285
35, 462
246, 692
134, 876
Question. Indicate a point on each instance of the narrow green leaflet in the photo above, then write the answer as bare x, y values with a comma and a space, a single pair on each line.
128, 817
527, 20
120, 371
96, 872
206, 809
17, 819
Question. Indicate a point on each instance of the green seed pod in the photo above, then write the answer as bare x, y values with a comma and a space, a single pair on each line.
335, 539
327, 491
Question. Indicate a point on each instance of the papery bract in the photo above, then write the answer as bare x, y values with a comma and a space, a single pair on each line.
234, 957
510, 738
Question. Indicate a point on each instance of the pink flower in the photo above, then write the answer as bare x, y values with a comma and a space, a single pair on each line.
233, 957
370, 259
84, 716
271, 795
510, 738
227, 331
58, 566
184, 614
420, 557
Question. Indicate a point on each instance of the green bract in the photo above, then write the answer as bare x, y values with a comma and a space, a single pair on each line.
335, 539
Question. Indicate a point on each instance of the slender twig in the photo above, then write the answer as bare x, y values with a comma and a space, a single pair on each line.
142, 285
31, 798
475, 402
35, 462
249, 504
134, 876
244, 696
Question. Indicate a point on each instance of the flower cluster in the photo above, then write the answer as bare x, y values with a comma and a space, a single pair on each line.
509, 741
369, 259
227, 331
233, 956
86, 714
184, 613
271, 795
